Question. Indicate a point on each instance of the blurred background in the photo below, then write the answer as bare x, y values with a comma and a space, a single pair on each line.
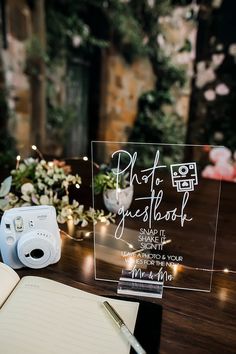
161, 71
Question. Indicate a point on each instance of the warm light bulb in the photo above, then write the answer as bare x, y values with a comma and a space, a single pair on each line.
34, 147
226, 270
85, 158
50, 164
18, 157
77, 185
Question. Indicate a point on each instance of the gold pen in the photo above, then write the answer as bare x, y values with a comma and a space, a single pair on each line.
124, 329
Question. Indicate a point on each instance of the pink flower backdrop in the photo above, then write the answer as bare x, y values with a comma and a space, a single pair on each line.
213, 110
222, 165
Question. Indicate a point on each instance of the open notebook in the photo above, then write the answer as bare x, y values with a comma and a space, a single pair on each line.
39, 315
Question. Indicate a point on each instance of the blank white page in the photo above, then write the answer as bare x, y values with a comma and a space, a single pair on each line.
46, 317
8, 280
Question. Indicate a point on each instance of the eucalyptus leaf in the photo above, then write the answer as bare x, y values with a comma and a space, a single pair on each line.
5, 186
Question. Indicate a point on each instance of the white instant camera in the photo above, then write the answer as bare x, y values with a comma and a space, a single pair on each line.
30, 237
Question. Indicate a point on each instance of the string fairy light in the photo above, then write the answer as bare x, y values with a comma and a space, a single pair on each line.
174, 266
224, 270
87, 234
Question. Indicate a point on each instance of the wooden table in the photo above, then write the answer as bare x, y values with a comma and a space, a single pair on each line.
193, 322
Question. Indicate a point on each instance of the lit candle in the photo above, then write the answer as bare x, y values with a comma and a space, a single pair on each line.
34, 147
18, 158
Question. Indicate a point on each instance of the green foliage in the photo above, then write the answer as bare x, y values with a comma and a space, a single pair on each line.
59, 120
107, 179
25, 173
156, 126
35, 54
132, 28
65, 21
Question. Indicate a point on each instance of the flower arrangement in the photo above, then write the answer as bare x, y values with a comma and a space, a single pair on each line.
37, 182
223, 167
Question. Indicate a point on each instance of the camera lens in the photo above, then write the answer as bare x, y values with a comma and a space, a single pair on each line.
36, 253
183, 170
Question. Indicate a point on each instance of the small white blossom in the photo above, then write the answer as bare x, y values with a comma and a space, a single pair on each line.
27, 188
210, 95
151, 3
232, 49
218, 136
204, 76
76, 41
44, 200
217, 60
216, 3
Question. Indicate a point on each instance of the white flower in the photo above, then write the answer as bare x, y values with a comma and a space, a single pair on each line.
222, 90
76, 41
61, 219
217, 60
204, 76
65, 199
219, 46
44, 200
201, 66
84, 223
220, 154
161, 40
232, 49
27, 188
216, 3
26, 198
218, 136
151, 3
210, 95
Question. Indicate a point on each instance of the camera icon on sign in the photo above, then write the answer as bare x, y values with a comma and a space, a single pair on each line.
184, 176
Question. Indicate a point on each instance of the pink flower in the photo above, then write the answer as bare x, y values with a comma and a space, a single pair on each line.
222, 90
220, 154
225, 170
221, 170
210, 172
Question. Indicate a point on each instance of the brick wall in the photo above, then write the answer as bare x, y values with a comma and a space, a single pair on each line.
16, 81
121, 86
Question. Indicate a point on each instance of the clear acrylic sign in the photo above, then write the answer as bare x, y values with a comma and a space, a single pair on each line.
166, 215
